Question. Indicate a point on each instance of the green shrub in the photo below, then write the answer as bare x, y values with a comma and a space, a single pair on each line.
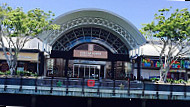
8, 72
155, 79
27, 73
2, 73
169, 80
180, 81
176, 82
18, 72
34, 75
30, 73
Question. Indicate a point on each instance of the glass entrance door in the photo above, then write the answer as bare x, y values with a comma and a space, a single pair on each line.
86, 71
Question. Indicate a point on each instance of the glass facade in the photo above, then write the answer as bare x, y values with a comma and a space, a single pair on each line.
88, 69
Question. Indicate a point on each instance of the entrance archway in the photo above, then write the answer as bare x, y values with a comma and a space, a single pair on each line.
90, 59
96, 28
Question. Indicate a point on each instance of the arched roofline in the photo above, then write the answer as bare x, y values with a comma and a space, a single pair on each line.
117, 20
94, 26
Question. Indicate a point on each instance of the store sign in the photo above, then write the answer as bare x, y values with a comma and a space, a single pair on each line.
146, 62
90, 53
22, 56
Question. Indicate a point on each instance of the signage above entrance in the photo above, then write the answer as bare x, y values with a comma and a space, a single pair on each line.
90, 51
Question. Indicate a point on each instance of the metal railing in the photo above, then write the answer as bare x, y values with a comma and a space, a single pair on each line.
97, 84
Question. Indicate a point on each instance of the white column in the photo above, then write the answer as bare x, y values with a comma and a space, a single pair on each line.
138, 51
135, 52
43, 46
38, 65
94, 71
78, 70
73, 70
84, 71
104, 71
99, 72
46, 47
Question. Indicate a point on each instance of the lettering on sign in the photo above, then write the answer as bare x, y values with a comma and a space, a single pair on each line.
91, 52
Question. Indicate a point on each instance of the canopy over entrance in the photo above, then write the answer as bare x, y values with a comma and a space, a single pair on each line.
94, 26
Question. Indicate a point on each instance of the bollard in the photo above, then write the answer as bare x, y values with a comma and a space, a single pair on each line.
171, 90
33, 100
67, 87
5, 84
143, 102
157, 89
100, 84
143, 88
128, 87
36, 84
51, 89
113, 87
98, 90
20, 89
185, 91
83, 85
89, 102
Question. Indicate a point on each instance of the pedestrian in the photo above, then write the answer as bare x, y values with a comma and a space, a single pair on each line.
141, 78
134, 77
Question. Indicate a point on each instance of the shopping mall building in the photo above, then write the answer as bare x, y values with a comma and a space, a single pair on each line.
94, 43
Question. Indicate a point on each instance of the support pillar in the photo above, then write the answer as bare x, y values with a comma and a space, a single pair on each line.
112, 69
33, 100
123, 67
45, 67
132, 70
105, 72
186, 75
66, 67
143, 102
89, 102
38, 64
113, 75
139, 68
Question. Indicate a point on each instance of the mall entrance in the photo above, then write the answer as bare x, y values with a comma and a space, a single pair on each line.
89, 61
87, 71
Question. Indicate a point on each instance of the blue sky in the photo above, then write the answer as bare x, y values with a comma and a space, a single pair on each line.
136, 11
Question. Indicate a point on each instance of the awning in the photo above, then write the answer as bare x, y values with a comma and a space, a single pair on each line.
32, 57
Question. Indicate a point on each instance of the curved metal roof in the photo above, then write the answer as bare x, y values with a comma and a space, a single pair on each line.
114, 23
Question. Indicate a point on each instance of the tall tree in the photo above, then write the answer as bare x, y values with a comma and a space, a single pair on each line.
18, 27
172, 30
